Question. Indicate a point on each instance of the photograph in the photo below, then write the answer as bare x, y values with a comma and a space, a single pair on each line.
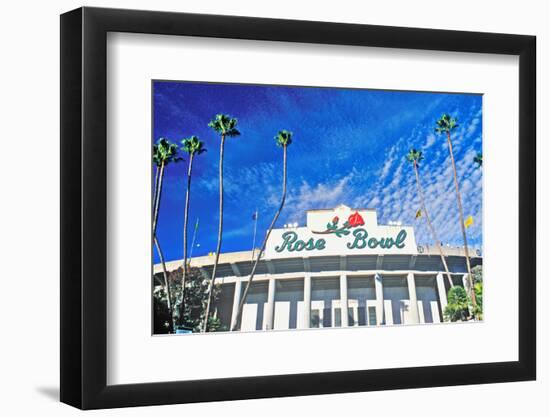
277, 208
266, 209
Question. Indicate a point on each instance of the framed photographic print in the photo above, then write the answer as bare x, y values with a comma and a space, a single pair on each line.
257, 208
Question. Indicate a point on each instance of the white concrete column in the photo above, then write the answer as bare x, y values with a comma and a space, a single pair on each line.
440, 280
344, 299
413, 304
236, 301
270, 307
307, 301
379, 290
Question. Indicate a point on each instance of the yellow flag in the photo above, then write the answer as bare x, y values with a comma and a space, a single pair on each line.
418, 214
469, 221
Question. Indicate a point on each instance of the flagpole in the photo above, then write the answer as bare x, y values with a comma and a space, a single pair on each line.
254, 238
193, 240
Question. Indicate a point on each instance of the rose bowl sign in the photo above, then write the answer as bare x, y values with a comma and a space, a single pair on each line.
341, 231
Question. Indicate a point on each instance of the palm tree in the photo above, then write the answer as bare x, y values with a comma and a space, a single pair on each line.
415, 157
164, 153
478, 159
166, 283
193, 146
444, 126
283, 139
225, 126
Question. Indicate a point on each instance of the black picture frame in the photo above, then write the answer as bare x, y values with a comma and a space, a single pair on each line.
84, 207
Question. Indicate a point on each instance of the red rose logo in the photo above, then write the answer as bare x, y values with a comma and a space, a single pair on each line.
355, 220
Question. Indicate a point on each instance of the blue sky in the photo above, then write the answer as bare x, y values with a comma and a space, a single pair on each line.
348, 147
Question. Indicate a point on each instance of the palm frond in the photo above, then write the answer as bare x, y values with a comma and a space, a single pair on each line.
414, 156
193, 145
478, 159
224, 124
446, 123
165, 152
283, 138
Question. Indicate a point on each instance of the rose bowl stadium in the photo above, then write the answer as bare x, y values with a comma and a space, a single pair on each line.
341, 269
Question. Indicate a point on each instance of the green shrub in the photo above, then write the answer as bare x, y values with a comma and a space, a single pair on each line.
191, 314
457, 305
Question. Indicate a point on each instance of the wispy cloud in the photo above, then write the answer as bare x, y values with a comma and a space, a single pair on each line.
319, 196
349, 148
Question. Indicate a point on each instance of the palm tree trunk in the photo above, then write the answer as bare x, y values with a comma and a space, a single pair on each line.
185, 223
158, 193
159, 173
166, 284
461, 214
262, 249
430, 226
155, 187
219, 245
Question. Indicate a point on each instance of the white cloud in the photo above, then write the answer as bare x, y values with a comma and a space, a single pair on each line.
430, 140
318, 196
399, 200
386, 168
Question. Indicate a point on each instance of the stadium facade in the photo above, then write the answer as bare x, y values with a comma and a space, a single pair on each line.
342, 260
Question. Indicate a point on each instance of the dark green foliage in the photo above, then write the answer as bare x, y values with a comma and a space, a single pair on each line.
283, 138
193, 146
457, 305
446, 123
415, 156
478, 159
477, 277
224, 125
478, 309
161, 314
196, 297
477, 274
165, 151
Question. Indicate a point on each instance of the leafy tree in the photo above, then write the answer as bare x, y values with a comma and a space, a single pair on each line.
283, 140
414, 157
192, 146
460, 306
225, 126
190, 306
478, 308
457, 305
164, 153
162, 316
477, 274
445, 125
